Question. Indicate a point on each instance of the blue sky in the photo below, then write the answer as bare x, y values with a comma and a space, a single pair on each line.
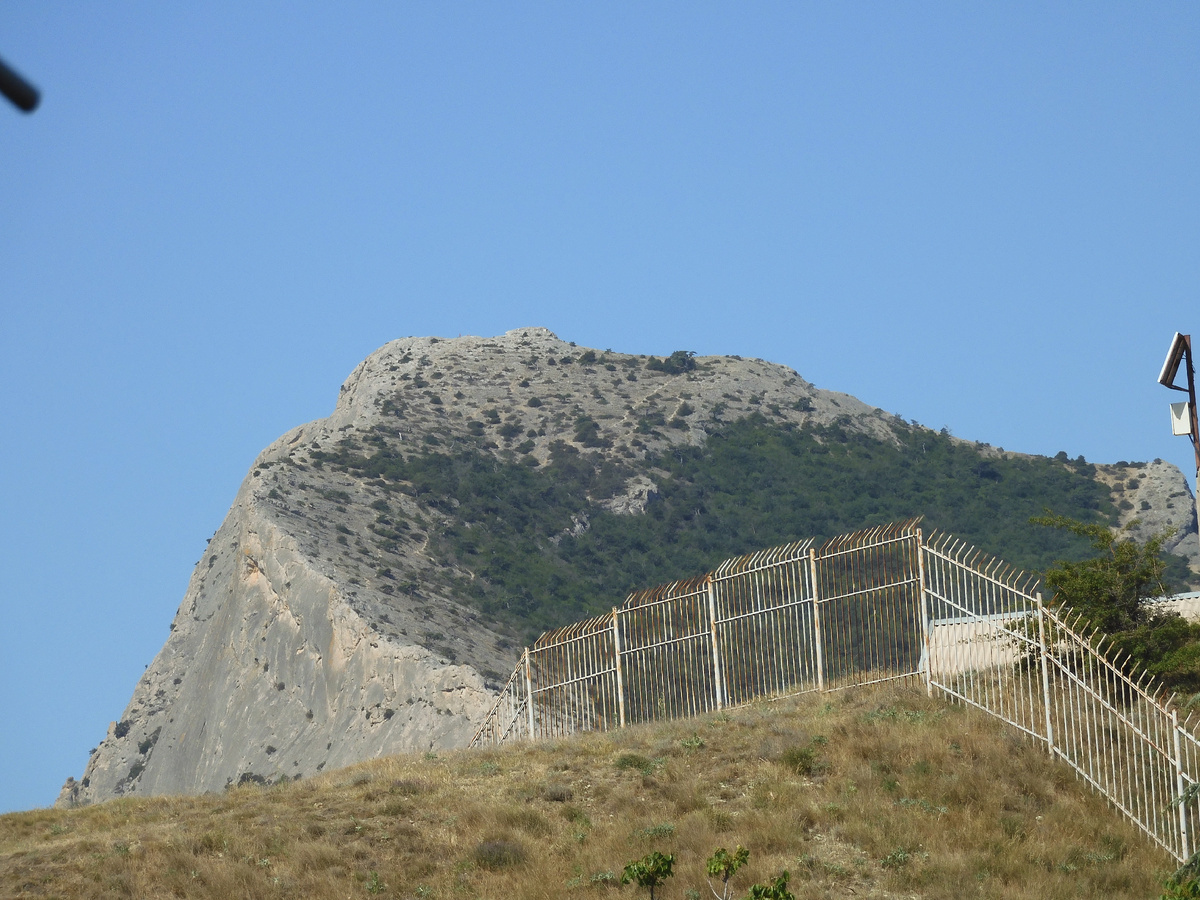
976, 216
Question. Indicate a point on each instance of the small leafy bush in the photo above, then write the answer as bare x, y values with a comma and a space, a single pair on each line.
1184, 882
639, 763
666, 829
633, 761
723, 864
800, 760
776, 890
650, 871
577, 816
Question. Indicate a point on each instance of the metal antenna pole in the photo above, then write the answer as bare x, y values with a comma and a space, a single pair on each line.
1181, 353
1195, 435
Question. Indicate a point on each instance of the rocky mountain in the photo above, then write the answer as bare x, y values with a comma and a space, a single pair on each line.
380, 568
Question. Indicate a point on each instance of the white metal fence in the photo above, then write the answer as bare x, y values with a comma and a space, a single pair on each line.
875, 605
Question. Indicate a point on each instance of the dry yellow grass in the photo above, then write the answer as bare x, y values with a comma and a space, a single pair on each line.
903, 797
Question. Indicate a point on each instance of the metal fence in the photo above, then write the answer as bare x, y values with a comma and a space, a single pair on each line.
876, 605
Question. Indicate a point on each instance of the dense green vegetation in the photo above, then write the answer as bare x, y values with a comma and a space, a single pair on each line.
1114, 591
545, 553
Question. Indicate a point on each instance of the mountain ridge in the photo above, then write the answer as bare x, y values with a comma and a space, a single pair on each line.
343, 609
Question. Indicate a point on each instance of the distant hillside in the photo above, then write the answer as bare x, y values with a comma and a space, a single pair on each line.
873, 792
380, 569
536, 546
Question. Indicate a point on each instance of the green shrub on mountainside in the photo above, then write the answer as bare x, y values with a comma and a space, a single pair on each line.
544, 552
1113, 590
677, 363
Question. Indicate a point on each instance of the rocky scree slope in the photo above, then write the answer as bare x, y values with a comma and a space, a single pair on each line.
326, 623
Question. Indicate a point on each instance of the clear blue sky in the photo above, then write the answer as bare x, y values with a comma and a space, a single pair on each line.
980, 216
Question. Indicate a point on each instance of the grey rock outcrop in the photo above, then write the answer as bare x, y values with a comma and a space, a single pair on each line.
638, 493
1158, 498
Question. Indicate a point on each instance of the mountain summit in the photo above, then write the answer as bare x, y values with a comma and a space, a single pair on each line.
370, 588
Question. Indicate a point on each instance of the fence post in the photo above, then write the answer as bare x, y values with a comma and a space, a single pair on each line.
1180, 787
620, 673
924, 614
718, 677
529, 693
817, 639
1044, 654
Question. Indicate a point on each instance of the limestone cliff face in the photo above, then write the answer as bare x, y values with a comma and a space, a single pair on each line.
322, 625
269, 671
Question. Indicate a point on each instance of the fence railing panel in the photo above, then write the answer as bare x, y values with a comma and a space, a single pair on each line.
879, 604
1120, 739
983, 641
1189, 774
764, 625
870, 606
573, 679
667, 652
508, 719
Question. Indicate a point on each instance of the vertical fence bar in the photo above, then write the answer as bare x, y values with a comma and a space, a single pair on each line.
619, 671
718, 679
1180, 787
620, 675
817, 638
1044, 654
529, 693
925, 637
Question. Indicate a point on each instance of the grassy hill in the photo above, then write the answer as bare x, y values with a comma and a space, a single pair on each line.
873, 792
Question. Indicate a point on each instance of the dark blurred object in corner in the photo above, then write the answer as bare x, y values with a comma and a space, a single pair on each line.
23, 95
